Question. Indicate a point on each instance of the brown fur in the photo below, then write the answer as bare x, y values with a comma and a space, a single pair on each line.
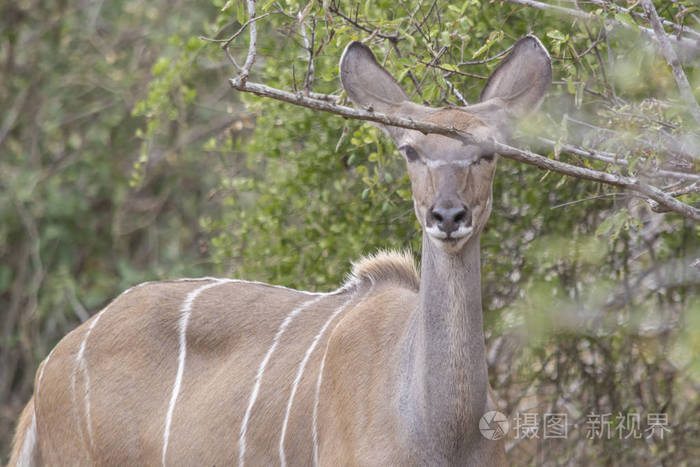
23, 425
457, 118
388, 266
132, 357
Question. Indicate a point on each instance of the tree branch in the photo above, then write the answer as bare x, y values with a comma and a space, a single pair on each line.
309, 46
252, 46
610, 158
664, 200
684, 41
356, 114
629, 183
683, 85
670, 24
333, 8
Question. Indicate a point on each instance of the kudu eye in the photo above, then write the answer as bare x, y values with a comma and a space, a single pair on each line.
410, 153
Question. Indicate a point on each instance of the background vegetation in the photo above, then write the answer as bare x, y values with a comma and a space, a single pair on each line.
125, 156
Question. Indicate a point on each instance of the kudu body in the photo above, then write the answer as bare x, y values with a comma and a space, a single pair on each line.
389, 370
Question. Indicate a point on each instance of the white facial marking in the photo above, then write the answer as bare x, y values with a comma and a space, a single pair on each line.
29, 445
454, 242
462, 231
184, 319
300, 373
435, 163
261, 370
435, 232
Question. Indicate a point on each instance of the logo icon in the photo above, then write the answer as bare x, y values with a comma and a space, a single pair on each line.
493, 425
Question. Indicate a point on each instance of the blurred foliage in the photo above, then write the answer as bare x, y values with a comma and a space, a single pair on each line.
73, 231
591, 303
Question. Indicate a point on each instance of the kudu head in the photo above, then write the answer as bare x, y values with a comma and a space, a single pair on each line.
451, 181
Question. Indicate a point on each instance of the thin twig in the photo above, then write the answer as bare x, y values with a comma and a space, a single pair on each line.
656, 207
435, 60
227, 42
629, 183
670, 24
675, 149
577, 57
12, 114
611, 62
690, 13
585, 88
333, 8
681, 80
601, 36
451, 71
486, 60
252, 45
590, 198
410, 74
453, 89
613, 159
684, 41
693, 188
309, 46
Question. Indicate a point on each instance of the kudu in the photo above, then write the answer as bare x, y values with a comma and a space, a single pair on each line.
388, 370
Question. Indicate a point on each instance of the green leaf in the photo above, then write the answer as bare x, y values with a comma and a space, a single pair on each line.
625, 18
613, 225
161, 66
556, 35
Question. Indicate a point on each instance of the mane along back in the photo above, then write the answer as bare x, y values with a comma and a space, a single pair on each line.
395, 267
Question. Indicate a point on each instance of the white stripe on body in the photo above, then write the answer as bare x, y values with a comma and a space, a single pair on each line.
300, 373
317, 398
261, 369
184, 319
41, 376
317, 395
81, 364
29, 445
241, 281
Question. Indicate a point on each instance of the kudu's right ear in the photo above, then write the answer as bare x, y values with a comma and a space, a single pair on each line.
522, 79
368, 84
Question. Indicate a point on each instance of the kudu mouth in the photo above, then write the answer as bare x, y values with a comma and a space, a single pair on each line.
449, 228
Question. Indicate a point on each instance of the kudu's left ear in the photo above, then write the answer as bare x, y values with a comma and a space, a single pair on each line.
366, 81
369, 85
522, 79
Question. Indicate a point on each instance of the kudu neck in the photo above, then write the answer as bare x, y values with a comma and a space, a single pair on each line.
451, 279
451, 338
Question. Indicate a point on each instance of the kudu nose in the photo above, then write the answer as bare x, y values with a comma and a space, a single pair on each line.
449, 220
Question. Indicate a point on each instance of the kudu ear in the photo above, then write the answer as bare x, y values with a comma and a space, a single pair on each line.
368, 84
522, 79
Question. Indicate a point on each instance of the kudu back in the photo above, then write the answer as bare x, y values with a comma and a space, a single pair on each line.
388, 370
